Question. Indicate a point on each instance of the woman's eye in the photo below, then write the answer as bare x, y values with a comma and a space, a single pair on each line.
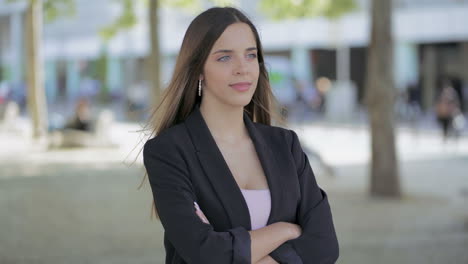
252, 55
224, 58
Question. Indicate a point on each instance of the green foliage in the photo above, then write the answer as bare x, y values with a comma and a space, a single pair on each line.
292, 9
99, 72
54, 9
225, 2
5, 72
275, 77
126, 20
188, 5
195, 6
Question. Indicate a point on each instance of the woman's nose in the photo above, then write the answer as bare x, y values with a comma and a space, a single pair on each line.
241, 67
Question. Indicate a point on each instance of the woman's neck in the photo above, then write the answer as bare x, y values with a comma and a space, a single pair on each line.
226, 123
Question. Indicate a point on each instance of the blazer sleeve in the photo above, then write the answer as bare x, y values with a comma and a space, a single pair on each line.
318, 242
195, 241
286, 254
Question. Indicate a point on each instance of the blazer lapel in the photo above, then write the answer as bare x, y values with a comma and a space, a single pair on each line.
270, 167
217, 170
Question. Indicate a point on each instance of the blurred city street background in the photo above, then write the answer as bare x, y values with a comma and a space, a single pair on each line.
70, 191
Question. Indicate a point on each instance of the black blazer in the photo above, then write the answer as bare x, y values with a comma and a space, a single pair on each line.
185, 165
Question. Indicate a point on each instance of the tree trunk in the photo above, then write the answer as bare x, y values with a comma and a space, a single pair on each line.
154, 72
380, 101
36, 99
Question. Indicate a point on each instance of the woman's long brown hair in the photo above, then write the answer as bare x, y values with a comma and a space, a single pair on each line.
180, 97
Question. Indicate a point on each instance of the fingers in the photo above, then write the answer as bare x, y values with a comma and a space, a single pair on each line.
202, 217
200, 214
267, 260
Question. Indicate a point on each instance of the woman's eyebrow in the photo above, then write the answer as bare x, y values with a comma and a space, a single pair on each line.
230, 51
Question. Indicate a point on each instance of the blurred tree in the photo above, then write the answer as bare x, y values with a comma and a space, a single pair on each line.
291, 9
99, 72
379, 86
36, 99
154, 60
38, 11
128, 19
380, 97
54, 9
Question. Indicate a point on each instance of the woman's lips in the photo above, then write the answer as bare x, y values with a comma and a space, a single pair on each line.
241, 86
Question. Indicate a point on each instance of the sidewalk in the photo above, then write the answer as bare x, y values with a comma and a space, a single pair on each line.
428, 225
338, 144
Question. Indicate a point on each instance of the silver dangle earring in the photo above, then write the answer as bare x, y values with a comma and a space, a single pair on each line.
199, 87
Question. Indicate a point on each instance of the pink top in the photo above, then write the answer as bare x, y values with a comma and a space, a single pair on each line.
259, 203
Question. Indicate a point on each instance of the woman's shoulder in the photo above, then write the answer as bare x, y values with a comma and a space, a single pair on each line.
275, 133
167, 139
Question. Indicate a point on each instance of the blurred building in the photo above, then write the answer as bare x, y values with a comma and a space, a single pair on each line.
431, 44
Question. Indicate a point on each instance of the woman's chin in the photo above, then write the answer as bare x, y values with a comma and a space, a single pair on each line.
240, 102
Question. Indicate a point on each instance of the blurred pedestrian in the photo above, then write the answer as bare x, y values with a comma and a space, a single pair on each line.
81, 119
447, 107
229, 187
323, 85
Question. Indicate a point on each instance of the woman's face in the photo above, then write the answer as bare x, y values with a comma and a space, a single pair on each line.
231, 71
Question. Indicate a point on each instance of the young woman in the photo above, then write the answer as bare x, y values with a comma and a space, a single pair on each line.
229, 187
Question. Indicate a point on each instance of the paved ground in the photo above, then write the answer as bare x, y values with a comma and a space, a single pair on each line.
423, 227
84, 206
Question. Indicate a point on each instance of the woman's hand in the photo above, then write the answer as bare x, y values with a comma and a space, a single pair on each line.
200, 214
267, 260
294, 231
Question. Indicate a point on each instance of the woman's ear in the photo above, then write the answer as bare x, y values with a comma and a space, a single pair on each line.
201, 77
